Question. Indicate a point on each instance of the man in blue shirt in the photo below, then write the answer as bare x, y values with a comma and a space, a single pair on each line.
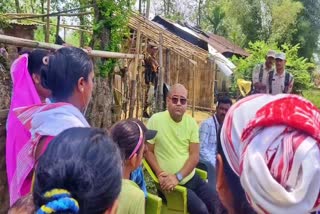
209, 130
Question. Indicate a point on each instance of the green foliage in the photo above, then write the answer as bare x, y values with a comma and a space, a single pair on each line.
299, 67
114, 20
272, 21
7, 6
313, 95
39, 34
3, 21
284, 17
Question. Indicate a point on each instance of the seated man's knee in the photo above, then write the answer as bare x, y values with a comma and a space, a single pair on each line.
199, 208
195, 204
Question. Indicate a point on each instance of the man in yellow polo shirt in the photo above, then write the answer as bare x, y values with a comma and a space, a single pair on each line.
174, 153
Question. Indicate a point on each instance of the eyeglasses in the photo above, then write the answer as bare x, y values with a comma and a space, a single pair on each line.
175, 100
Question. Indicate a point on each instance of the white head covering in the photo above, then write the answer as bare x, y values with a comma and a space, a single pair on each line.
272, 144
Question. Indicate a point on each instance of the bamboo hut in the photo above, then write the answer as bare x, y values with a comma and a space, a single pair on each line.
180, 61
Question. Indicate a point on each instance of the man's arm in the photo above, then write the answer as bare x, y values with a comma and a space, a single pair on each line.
152, 161
255, 74
192, 161
171, 180
204, 133
290, 87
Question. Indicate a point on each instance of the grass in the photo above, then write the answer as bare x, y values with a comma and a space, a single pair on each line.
313, 95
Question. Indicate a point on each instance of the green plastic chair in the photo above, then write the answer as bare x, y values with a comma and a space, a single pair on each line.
176, 199
153, 204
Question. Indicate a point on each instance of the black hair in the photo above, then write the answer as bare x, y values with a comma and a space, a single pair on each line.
65, 67
125, 134
240, 203
35, 61
85, 162
224, 100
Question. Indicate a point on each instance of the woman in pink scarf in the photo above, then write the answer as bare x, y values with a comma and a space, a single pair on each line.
27, 90
68, 74
269, 153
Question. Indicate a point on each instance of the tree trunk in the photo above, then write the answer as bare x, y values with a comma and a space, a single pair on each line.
99, 112
82, 23
42, 12
5, 92
17, 6
58, 26
140, 6
32, 6
48, 22
199, 13
148, 9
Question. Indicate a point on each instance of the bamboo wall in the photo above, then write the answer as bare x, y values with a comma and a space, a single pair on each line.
181, 71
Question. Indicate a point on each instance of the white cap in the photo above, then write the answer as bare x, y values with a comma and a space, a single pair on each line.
271, 53
281, 56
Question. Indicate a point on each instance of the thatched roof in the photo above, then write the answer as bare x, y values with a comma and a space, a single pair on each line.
152, 31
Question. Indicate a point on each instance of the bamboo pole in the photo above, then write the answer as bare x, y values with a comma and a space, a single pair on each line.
64, 34
133, 81
194, 88
214, 80
35, 44
167, 68
72, 27
202, 108
29, 15
48, 22
139, 82
178, 70
160, 75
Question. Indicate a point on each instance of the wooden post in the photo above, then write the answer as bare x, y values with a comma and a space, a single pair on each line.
178, 70
167, 69
139, 82
64, 34
133, 81
194, 87
160, 76
48, 22
214, 81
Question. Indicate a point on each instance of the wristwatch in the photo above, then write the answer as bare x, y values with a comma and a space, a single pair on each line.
179, 176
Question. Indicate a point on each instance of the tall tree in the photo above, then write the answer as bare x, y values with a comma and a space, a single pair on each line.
308, 28
17, 6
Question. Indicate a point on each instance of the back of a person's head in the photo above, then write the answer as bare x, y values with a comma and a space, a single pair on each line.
80, 169
35, 60
125, 134
63, 70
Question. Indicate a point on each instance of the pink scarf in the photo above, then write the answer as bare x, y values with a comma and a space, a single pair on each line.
23, 94
272, 143
41, 120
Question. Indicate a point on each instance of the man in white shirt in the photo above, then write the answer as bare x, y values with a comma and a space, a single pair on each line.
280, 81
260, 74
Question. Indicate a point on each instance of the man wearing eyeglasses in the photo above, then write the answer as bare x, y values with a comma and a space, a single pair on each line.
174, 153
